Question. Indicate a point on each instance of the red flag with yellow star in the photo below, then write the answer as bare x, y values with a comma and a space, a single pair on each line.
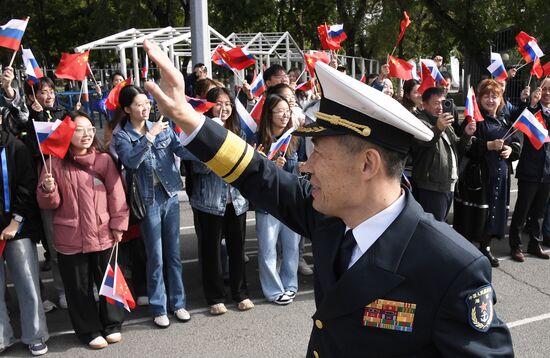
312, 57
73, 66
400, 68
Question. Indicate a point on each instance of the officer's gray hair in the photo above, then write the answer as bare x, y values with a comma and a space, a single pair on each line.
394, 161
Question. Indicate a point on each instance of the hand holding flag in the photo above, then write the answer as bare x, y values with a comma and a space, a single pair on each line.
496, 68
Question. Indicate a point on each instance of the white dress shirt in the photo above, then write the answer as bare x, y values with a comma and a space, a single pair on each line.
371, 229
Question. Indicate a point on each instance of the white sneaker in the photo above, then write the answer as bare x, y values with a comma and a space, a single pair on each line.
162, 321
114, 337
98, 343
182, 315
142, 301
48, 306
303, 268
63, 301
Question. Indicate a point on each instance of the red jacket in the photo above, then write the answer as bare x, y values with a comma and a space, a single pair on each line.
87, 208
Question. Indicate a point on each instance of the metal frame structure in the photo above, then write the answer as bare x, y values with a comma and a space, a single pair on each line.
268, 47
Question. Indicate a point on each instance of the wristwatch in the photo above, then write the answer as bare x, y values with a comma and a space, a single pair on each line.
18, 218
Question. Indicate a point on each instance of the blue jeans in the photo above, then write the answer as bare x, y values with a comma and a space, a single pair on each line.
160, 230
22, 261
269, 230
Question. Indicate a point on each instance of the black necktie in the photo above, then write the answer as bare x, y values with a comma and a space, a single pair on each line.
345, 252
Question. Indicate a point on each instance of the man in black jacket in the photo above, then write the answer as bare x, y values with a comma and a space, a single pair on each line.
375, 291
435, 163
533, 173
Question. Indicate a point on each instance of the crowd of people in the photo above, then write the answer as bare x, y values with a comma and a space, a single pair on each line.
77, 205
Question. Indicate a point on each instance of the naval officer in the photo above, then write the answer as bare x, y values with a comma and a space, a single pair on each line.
389, 279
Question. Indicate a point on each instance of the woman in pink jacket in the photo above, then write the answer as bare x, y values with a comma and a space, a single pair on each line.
86, 191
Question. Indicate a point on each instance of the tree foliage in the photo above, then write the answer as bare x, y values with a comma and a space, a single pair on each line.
464, 28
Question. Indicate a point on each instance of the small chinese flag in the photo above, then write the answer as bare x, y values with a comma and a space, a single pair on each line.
73, 66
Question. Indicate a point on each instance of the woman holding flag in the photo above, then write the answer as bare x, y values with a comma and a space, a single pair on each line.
220, 210
274, 138
85, 191
482, 195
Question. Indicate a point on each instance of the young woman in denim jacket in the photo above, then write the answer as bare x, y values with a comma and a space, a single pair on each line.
149, 148
220, 210
279, 287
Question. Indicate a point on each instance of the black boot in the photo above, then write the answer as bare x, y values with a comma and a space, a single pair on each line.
485, 249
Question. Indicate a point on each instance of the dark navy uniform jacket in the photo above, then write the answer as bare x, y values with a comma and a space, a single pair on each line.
417, 261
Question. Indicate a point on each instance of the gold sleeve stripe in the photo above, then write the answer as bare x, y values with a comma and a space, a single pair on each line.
232, 158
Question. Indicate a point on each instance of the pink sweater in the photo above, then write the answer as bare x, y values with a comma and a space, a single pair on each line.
87, 209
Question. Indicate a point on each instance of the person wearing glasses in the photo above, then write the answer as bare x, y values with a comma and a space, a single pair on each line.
149, 148
220, 211
85, 191
278, 286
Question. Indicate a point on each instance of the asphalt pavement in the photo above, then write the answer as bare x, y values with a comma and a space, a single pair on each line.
268, 330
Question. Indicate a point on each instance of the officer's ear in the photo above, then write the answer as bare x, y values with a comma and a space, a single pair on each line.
371, 163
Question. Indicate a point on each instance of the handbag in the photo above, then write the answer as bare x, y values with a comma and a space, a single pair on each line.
134, 197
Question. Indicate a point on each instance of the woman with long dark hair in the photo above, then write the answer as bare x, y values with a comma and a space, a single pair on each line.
412, 99
279, 286
148, 148
90, 214
220, 210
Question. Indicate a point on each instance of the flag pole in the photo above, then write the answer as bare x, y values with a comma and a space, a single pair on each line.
40, 148
13, 57
238, 76
509, 129
520, 67
93, 77
521, 59
80, 94
511, 134
530, 77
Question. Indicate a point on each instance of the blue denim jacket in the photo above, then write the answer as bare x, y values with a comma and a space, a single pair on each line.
136, 152
209, 191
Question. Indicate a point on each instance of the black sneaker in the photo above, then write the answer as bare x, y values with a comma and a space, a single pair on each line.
38, 349
283, 300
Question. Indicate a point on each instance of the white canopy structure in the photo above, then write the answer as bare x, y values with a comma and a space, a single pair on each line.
268, 48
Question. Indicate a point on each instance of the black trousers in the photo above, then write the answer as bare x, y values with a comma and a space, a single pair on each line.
79, 273
434, 202
133, 259
233, 228
531, 202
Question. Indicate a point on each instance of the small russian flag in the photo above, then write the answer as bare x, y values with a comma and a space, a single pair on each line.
281, 145
257, 87
471, 109
12, 33
248, 125
55, 137
145, 68
199, 105
532, 128
497, 69
32, 69
528, 47
336, 32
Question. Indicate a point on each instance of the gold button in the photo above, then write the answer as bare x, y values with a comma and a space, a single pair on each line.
319, 324
366, 131
315, 354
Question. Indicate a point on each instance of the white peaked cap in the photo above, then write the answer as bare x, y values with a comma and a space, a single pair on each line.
348, 106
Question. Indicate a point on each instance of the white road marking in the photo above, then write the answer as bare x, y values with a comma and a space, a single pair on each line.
525, 321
